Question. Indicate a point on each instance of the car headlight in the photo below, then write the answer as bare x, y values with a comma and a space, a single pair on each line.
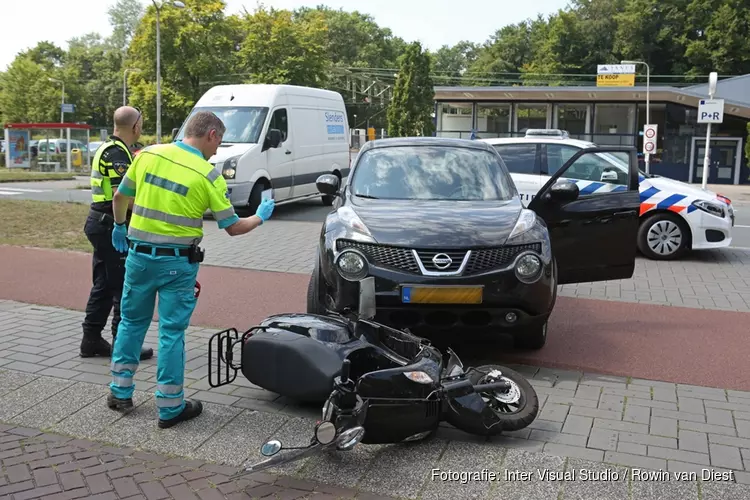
352, 265
710, 207
350, 218
229, 169
528, 268
526, 220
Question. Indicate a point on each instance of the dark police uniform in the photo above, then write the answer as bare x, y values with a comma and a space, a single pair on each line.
110, 164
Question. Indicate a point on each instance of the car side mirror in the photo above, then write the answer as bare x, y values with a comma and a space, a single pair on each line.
564, 191
367, 298
273, 139
328, 184
609, 175
175, 131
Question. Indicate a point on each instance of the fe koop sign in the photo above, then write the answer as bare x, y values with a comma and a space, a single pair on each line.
711, 111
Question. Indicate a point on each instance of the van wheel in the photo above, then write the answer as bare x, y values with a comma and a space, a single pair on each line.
663, 236
255, 198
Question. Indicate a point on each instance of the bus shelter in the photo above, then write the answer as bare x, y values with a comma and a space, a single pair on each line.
21, 149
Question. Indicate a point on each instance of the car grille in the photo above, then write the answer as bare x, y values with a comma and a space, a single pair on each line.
402, 259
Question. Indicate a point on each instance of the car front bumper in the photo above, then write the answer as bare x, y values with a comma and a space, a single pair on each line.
710, 231
507, 303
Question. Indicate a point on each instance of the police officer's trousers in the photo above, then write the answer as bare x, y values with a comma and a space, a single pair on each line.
108, 274
173, 278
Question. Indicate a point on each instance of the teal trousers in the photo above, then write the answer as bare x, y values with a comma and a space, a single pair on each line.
173, 279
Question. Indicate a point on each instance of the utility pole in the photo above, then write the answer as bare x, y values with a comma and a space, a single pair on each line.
179, 5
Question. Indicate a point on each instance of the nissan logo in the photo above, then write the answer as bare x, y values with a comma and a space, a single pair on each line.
442, 261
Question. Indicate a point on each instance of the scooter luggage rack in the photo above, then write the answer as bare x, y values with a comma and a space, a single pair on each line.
225, 341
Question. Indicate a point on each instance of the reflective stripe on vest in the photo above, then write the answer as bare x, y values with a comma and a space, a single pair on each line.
171, 195
103, 186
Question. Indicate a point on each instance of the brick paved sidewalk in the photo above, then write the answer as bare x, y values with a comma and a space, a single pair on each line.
54, 467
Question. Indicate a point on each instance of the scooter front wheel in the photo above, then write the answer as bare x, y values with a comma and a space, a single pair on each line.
514, 408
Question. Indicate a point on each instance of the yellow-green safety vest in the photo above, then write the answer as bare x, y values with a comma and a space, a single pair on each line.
103, 184
172, 189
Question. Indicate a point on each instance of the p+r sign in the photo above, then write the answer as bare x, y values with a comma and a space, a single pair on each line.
711, 111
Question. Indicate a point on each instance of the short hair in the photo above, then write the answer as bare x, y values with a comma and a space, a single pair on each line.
202, 122
126, 116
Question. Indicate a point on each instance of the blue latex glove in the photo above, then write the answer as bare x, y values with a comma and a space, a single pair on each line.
119, 240
265, 209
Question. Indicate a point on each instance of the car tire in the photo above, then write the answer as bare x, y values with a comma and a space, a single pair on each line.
663, 236
314, 295
534, 337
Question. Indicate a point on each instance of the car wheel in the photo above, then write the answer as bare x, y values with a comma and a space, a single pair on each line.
663, 236
314, 293
533, 337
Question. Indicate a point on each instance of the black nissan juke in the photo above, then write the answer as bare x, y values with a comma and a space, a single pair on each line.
440, 225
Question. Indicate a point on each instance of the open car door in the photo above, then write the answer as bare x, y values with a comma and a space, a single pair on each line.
591, 207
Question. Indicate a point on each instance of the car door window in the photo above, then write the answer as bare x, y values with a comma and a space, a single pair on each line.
557, 155
279, 121
598, 173
520, 158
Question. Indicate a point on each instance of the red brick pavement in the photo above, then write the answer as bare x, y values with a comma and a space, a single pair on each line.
37, 465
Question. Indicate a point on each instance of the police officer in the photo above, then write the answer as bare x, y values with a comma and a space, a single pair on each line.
111, 161
172, 186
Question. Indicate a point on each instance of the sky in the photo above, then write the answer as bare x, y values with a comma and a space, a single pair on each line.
432, 22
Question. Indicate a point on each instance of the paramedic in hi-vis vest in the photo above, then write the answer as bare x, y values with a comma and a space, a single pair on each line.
172, 186
111, 161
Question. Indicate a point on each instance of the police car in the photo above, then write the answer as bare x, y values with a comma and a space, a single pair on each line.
675, 216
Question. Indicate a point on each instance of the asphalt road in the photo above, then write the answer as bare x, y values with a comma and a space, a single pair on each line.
307, 211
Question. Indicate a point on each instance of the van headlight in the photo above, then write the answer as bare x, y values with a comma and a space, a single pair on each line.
352, 265
710, 207
528, 268
229, 169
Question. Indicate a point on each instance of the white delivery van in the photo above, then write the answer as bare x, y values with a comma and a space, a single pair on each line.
279, 137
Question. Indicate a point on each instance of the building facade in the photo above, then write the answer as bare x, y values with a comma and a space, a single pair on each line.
613, 116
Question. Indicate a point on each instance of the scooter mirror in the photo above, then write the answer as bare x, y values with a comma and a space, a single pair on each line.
270, 448
325, 432
367, 298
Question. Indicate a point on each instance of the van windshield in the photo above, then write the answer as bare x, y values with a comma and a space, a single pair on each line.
244, 125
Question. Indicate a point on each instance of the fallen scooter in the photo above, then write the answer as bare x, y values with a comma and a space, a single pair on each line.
378, 385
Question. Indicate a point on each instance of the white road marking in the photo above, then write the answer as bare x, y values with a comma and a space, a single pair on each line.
9, 191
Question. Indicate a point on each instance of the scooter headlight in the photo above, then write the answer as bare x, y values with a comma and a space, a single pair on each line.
528, 268
349, 438
352, 265
419, 377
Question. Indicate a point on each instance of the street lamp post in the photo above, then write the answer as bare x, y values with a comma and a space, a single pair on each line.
125, 84
180, 5
648, 107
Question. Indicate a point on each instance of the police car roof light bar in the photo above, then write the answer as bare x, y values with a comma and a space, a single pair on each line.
547, 132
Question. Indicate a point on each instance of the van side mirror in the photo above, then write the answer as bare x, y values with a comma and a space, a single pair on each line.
563, 191
273, 139
367, 298
327, 184
175, 131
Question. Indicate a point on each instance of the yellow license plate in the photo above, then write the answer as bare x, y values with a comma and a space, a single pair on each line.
441, 294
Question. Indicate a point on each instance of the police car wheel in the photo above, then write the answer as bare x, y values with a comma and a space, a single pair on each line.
534, 337
663, 236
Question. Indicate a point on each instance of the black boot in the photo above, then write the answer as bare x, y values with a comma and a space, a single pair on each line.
95, 347
192, 409
122, 405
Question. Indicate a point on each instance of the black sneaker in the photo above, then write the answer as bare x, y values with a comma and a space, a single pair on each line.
97, 347
123, 405
193, 408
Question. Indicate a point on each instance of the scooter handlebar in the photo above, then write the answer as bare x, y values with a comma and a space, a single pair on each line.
345, 370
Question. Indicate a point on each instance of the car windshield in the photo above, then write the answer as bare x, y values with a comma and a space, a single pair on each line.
243, 124
431, 173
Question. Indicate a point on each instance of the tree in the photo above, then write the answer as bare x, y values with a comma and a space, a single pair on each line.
450, 63
124, 17
27, 94
198, 48
410, 111
277, 48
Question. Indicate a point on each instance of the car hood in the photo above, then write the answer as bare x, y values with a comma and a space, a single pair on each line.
227, 151
683, 188
438, 224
